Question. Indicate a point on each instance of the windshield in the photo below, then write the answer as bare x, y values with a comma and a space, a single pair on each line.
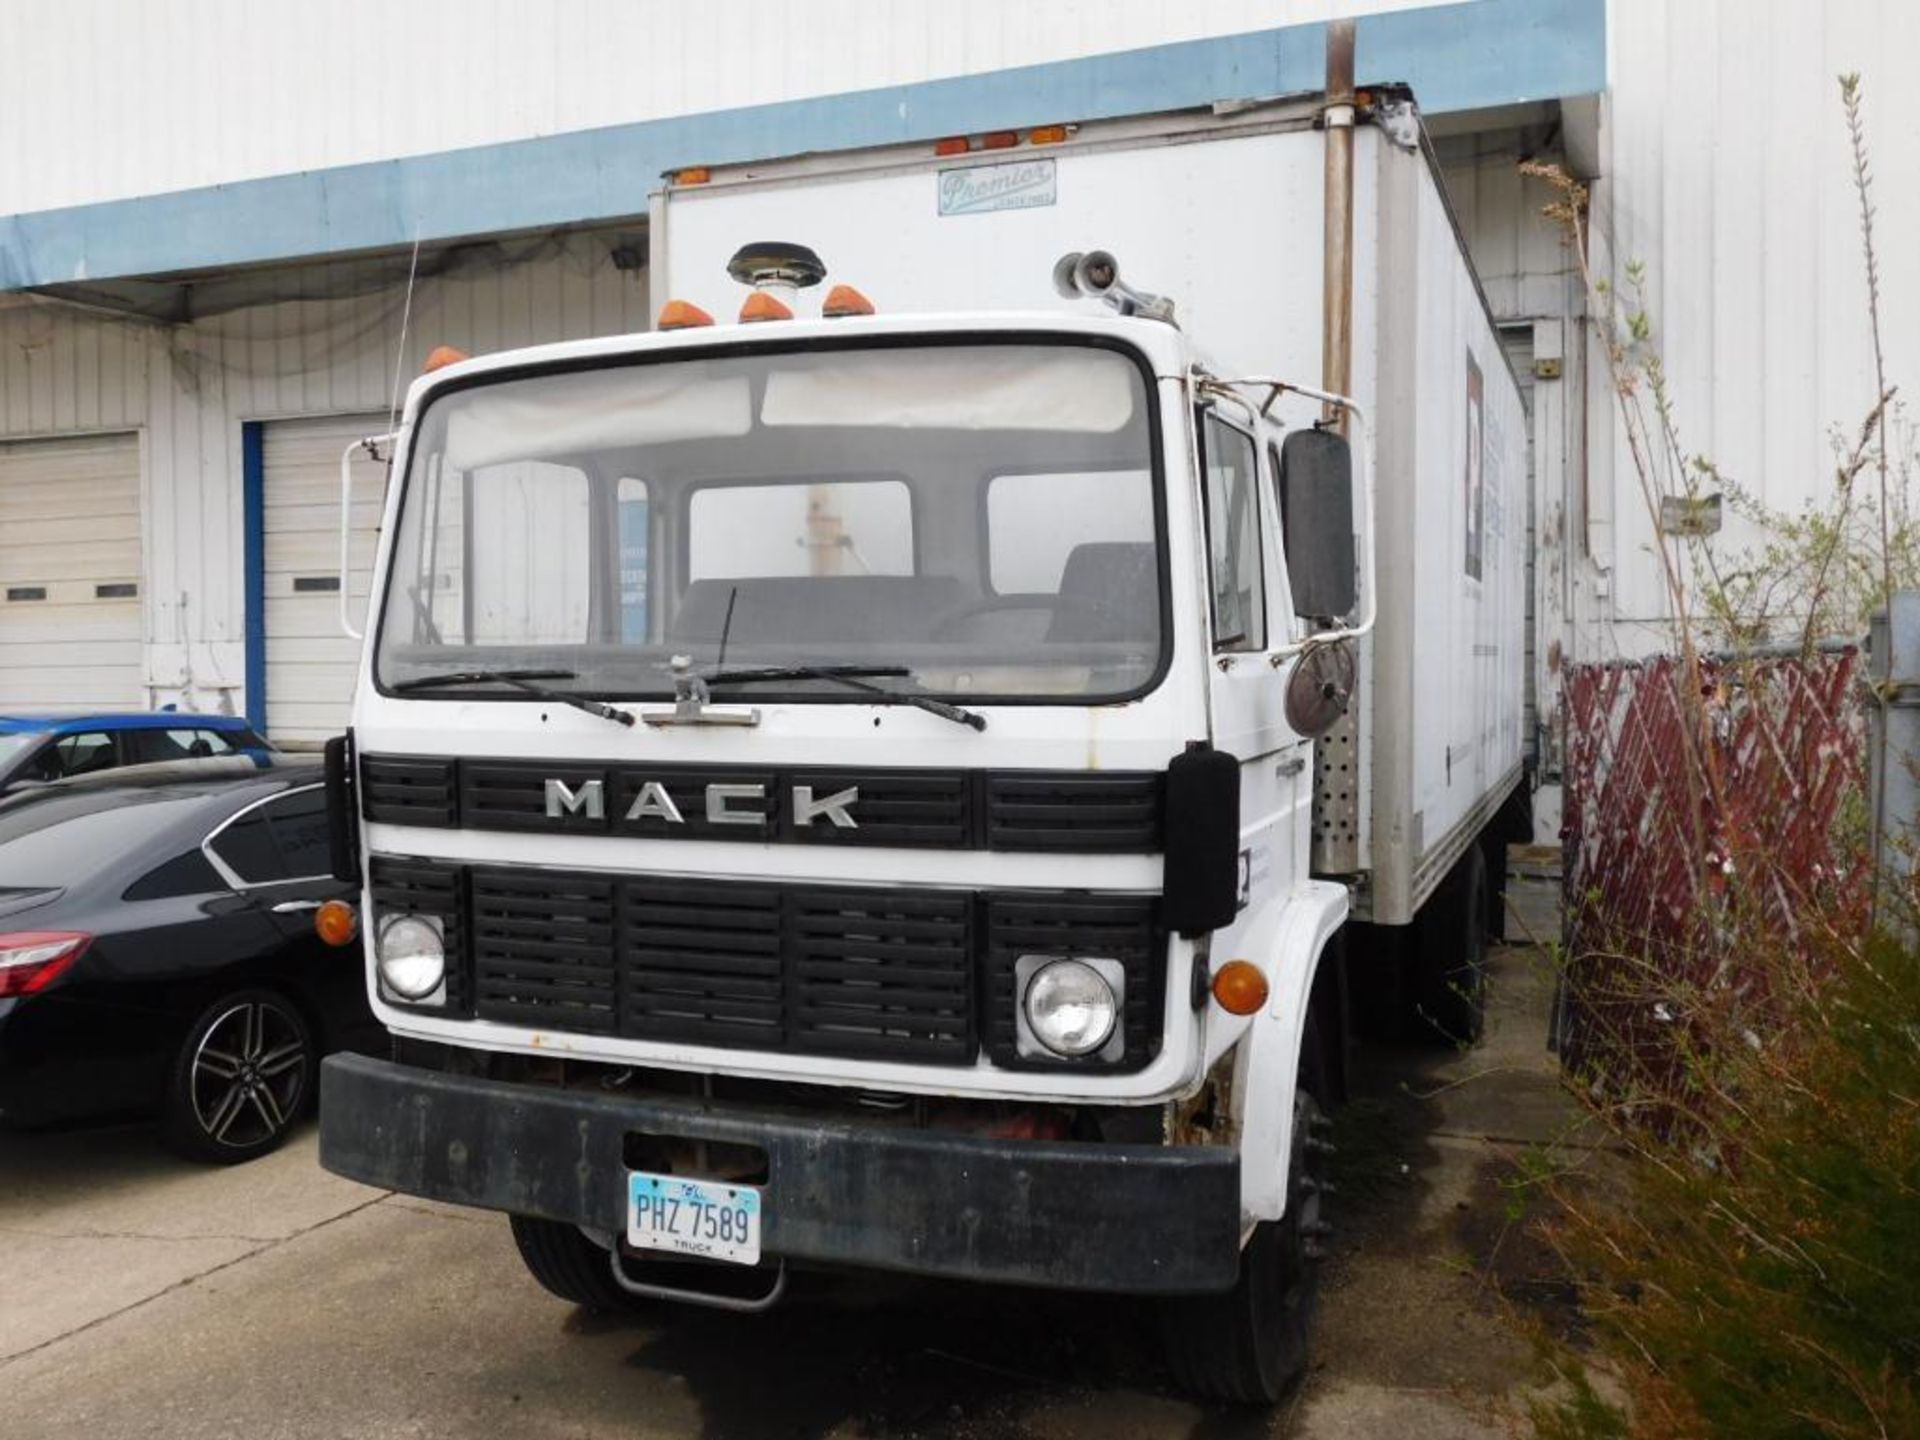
14, 744
980, 520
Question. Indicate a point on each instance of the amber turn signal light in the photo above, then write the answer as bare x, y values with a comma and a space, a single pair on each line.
336, 923
442, 356
1240, 987
680, 315
844, 300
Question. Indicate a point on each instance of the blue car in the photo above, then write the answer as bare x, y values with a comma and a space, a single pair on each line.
35, 749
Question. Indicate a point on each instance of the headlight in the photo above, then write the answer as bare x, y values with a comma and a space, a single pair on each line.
411, 956
1071, 1007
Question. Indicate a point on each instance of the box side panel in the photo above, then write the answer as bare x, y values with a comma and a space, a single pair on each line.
1460, 508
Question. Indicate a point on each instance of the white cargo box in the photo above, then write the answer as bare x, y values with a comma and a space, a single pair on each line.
1222, 212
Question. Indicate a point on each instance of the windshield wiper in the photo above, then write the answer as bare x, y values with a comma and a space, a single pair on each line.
853, 677
519, 680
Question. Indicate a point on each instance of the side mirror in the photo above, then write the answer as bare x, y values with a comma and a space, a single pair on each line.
1316, 517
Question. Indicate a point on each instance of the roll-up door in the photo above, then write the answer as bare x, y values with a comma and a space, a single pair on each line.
310, 663
70, 574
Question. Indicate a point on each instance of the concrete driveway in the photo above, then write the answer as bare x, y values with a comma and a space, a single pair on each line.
144, 1297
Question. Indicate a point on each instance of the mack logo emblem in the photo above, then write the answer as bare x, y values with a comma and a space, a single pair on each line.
726, 804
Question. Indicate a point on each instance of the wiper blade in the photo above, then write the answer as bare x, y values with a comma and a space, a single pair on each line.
519, 680
854, 678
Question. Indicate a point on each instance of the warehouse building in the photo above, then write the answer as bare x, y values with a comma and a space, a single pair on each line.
229, 233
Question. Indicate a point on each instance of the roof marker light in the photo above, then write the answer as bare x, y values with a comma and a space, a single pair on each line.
692, 175
1048, 134
681, 315
1000, 140
442, 356
844, 300
952, 145
760, 306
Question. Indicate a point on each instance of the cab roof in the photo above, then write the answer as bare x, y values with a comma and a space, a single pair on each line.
1168, 349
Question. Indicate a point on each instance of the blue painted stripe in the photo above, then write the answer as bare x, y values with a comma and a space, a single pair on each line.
253, 522
1465, 56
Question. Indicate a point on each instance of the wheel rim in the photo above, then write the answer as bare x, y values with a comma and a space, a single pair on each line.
249, 1072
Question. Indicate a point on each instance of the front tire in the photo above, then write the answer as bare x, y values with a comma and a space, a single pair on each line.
1250, 1345
240, 1079
569, 1265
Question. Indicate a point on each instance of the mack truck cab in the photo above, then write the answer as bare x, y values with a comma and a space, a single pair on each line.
851, 790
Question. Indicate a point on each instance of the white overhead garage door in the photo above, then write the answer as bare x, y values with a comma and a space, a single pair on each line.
70, 618
310, 662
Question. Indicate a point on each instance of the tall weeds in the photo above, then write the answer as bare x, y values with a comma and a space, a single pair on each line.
1747, 1029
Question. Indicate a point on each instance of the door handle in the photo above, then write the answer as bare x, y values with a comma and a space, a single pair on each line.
1291, 766
295, 907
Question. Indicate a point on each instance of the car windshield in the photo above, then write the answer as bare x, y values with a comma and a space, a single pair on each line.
14, 744
51, 838
971, 521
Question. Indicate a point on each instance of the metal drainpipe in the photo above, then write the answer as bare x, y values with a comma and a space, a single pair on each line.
1337, 760
1336, 339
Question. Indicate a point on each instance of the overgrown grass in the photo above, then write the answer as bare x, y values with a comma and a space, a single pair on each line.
1762, 1277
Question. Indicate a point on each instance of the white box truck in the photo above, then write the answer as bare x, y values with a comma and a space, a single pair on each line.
839, 787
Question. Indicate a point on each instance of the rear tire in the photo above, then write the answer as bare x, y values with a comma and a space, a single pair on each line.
1450, 976
1250, 1345
570, 1266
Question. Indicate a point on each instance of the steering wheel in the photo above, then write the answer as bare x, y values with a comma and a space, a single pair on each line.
993, 604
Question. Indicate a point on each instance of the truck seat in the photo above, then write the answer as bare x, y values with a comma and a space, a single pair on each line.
1117, 587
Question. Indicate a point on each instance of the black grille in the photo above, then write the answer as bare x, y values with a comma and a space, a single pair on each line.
415, 887
1068, 810
543, 949
1079, 810
907, 974
882, 974
703, 963
407, 791
1122, 928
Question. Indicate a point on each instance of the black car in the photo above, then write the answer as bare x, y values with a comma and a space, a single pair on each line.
158, 952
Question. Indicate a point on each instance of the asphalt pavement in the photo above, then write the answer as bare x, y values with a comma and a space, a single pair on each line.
142, 1296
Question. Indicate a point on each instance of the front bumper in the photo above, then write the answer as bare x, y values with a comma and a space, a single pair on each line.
1062, 1215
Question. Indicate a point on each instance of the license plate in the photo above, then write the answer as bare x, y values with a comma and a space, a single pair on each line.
693, 1217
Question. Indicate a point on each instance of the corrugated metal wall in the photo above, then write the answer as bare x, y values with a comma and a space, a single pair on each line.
1727, 174
102, 99
188, 389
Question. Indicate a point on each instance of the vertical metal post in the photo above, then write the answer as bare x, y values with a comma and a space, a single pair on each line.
1336, 336
1336, 754
1893, 647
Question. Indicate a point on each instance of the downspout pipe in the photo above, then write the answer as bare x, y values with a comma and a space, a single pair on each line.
1337, 119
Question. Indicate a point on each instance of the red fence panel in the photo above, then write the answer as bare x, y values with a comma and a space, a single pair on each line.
1681, 776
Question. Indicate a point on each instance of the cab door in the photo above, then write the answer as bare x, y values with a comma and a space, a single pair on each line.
1252, 624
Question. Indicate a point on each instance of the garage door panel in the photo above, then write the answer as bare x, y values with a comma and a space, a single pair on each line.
323, 519
38, 623
314, 682
70, 574
117, 532
310, 664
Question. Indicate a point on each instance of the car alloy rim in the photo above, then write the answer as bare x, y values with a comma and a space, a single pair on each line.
248, 1072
